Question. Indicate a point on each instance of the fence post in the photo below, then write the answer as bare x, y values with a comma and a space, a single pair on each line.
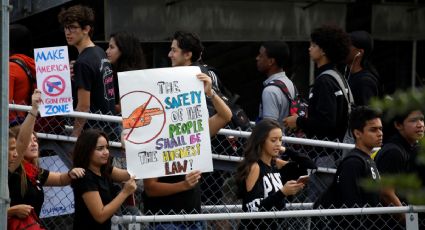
412, 221
115, 223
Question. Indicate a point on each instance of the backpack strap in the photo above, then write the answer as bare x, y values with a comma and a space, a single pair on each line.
27, 72
343, 85
24, 67
282, 86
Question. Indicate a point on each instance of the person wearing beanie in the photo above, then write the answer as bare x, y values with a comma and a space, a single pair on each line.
362, 77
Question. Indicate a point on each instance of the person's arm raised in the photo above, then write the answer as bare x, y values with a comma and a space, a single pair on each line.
27, 128
223, 115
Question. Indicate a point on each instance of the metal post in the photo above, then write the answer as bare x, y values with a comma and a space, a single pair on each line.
4, 102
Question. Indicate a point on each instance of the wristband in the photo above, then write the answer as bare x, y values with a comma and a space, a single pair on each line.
212, 96
69, 173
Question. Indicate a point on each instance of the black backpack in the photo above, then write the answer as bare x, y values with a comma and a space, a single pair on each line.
330, 197
239, 117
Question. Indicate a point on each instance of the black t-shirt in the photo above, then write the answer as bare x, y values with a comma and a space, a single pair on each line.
91, 182
188, 201
350, 173
34, 195
93, 72
264, 196
364, 86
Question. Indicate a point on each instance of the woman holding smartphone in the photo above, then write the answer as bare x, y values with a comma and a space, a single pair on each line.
259, 175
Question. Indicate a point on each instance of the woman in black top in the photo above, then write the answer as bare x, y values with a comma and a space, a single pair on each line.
259, 175
95, 201
125, 54
26, 178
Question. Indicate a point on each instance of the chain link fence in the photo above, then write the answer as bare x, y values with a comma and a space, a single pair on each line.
220, 207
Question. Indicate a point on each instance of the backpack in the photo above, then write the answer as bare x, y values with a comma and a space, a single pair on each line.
346, 91
239, 118
330, 197
297, 105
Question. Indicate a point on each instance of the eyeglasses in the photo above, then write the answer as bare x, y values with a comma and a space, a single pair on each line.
71, 28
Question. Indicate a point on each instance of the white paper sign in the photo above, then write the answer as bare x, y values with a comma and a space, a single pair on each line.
57, 200
53, 79
165, 115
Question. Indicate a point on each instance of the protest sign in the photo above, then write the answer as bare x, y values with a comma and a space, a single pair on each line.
53, 79
57, 200
166, 120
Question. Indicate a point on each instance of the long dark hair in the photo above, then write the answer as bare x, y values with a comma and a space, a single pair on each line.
132, 57
84, 149
253, 149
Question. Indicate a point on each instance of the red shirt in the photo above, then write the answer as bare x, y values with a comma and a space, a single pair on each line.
19, 84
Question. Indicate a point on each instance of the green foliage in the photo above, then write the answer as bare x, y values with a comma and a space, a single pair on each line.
402, 102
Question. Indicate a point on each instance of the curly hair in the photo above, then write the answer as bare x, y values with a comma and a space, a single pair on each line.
189, 42
83, 15
253, 150
333, 41
132, 57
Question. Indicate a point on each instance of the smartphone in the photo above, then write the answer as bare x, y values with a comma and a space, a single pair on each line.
303, 179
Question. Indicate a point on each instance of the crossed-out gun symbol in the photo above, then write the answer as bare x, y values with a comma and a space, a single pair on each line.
53, 85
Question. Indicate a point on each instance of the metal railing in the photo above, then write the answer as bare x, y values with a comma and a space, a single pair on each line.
221, 208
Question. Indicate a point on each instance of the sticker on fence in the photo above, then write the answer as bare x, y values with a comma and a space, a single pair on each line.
53, 79
165, 119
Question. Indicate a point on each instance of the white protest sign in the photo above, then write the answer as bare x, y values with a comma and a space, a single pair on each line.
165, 115
57, 200
53, 79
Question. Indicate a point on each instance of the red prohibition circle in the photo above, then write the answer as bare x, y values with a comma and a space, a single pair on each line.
155, 135
47, 82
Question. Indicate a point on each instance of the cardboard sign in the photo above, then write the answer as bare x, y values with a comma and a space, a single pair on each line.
166, 120
53, 79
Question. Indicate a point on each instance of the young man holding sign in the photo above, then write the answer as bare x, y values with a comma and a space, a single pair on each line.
93, 77
181, 194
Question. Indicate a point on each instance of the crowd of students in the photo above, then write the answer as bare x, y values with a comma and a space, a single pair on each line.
262, 177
